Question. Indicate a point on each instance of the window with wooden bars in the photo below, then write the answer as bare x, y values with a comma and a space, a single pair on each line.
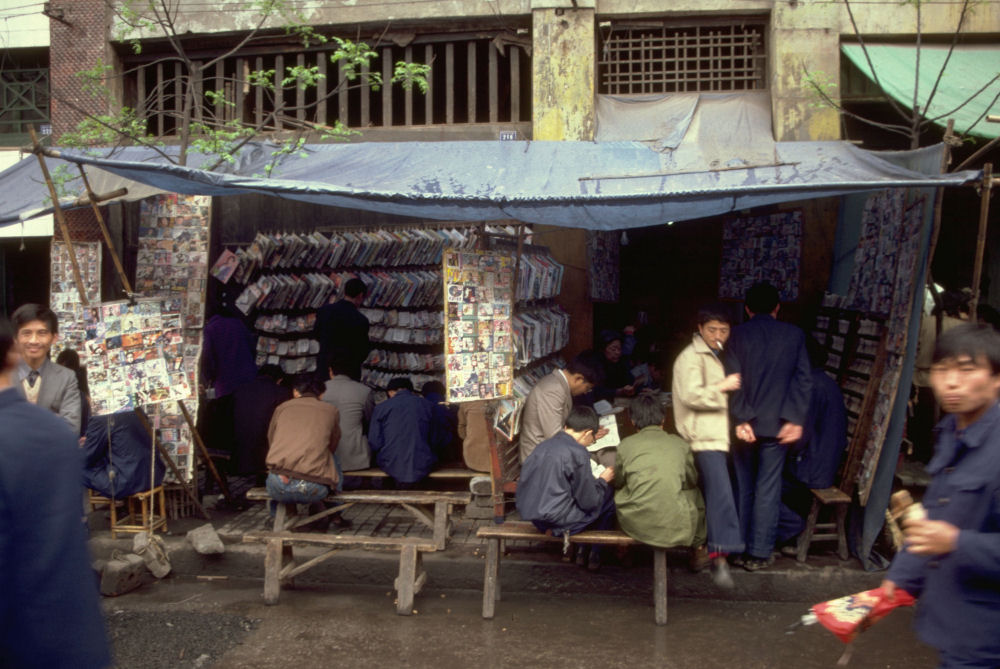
474, 79
24, 92
635, 59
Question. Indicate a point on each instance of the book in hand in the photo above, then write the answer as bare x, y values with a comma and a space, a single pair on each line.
611, 439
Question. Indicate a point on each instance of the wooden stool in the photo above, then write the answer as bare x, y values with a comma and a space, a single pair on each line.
135, 523
823, 497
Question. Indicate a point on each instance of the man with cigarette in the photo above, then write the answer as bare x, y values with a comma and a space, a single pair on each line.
951, 559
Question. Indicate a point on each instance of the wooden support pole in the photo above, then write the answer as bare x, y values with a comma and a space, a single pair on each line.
984, 212
223, 486
170, 463
938, 198
104, 231
57, 210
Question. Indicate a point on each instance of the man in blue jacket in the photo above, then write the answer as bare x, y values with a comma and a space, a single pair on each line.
557, 490
769, 410
402, 435
951, 562
50, 615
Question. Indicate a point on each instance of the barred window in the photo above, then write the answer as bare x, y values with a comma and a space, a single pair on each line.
669, 58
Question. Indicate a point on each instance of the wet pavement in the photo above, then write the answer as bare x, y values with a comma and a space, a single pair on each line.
184, 622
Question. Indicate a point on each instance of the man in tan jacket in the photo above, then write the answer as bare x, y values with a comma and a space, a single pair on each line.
701, 413
302, 438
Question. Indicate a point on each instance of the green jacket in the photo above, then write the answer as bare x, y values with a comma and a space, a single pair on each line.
656, 490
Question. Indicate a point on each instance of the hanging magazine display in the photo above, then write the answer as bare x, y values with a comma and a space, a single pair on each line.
761, 248
603, 257
64, 298
478, 297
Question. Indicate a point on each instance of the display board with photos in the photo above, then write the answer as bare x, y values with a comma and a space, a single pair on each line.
761, 248
64, 297
479, 350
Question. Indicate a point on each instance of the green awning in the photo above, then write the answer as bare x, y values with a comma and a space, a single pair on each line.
969, 69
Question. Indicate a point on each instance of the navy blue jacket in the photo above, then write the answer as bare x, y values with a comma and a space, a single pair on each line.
50, 615
402, 438
130, 450
771, 357
959, 593
824, 436
557, 489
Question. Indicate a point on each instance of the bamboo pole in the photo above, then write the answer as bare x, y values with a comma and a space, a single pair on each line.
984, 212
104, 231
57, 210
204, 452
170, 462
938, 198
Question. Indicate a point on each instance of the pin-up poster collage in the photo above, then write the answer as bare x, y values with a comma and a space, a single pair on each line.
64, 297
480, 350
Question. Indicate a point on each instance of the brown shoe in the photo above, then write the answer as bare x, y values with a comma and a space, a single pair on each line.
699, 559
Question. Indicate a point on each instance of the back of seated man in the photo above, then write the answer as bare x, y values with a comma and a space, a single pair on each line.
557, 490
356, 404
402, 436
38, 379
302, 438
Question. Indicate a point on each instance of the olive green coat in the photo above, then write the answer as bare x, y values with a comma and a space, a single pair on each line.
656, 490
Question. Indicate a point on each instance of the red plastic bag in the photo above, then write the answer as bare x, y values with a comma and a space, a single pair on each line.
850, 615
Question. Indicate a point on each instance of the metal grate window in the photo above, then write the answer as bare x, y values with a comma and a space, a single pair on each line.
671, 59
24, 98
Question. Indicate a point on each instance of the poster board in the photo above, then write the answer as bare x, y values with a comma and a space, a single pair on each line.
64, 298
479, 349
761, 248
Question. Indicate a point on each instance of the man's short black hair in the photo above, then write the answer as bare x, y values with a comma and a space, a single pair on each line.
26, 313
340, 364
646, 410
308, 385
972, 340
6, 341
271, 371
355, 287
817, 354
588, 365
432, 387
400, 383
714, 312
583, 418
762, 298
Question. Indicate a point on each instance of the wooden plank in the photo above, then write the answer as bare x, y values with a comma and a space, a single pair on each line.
441, 529
140, 91
831, 495
292, 570
383, 496
239, 82
449, 83
220, 85
300, 93
386, 87
512, 530
179, 91
470, 48
259, 536
515, 83
408, 92
321, 87
366, 92
405, 584
429, 95
494, 76
341, 92
160, 120
272, 569
660, 585
491, 585
259, 96
279, 94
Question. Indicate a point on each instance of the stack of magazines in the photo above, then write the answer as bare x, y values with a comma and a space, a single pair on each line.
283, 323
525, 381
539, 278
405, 360
375, 378
406, 319
400, 335
287, 348
539, 332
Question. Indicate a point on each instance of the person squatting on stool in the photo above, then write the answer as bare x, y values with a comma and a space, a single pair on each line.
557, 490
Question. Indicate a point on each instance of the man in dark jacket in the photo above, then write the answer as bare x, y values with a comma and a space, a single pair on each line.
402, 436
254, 403
951, 562
769, 410
557, 490
342, 332
50, 615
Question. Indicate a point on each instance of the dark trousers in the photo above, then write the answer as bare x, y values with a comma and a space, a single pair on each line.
758, 481
605, 519
724, 533
796, 500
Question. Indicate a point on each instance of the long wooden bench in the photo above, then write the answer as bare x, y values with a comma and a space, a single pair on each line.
520, 530
431, 508
445, 473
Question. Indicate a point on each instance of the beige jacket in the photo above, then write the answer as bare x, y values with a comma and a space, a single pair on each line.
701, 410
303, 435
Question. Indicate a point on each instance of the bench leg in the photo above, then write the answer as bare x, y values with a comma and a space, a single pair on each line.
440, 524
841, 512
272, 570
660, 585
491, 578
807, 534
406, 583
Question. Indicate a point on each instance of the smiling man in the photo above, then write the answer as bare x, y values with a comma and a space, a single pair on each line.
38, 379
951, 560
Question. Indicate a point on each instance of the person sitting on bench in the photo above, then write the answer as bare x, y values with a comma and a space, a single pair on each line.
557, 490
302, 438
403, 436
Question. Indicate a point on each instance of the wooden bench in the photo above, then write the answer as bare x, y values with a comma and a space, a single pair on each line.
823, 497
445, 473
431, 508
526, 531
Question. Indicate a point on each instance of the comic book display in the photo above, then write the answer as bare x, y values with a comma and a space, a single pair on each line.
478, 287
64, 298
761, 248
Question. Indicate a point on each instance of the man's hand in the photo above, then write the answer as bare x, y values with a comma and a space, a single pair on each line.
789, 433
600, 433
930, 537
626, 391
608, 474
730, 383
745, 433
889, 590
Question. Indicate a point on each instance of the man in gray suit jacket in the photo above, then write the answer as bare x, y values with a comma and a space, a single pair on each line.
550, 401
355, 403
38, 379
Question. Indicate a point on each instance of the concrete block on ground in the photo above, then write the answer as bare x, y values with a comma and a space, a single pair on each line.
123, 574
206, 541
479, 511
153, 552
